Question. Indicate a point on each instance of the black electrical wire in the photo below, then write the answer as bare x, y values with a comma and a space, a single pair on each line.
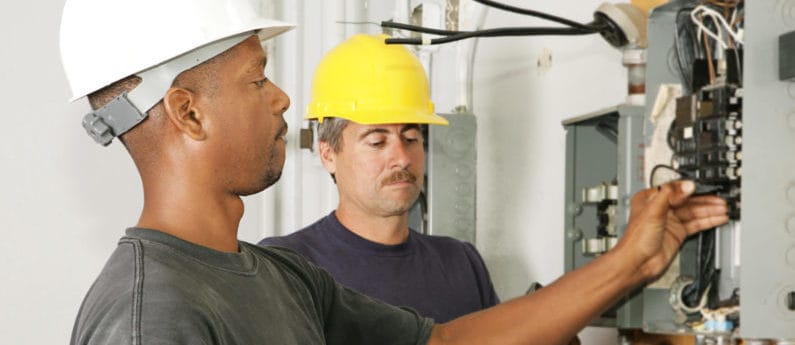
415, 28
537, 14
684, 53
707, 274
739, 62
657, 167
505, 31
496, 32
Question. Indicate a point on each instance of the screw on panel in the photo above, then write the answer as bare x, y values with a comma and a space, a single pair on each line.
575, 209
574, 234
791, 301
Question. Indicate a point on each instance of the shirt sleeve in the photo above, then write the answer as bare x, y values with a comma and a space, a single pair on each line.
487, 294
352, 318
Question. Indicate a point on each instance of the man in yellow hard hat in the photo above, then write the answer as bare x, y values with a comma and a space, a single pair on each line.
186, 94
370, 100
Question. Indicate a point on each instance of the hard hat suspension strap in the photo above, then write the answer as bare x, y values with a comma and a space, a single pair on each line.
129, 109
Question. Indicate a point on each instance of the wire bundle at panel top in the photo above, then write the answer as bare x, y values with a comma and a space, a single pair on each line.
709, 31
572, 28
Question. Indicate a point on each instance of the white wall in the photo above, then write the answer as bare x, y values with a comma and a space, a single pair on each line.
521, 141
67, 200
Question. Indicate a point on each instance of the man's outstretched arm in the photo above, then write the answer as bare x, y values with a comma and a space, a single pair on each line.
660, 220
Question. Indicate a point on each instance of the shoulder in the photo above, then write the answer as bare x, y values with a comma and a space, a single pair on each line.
295, 241
446, 244
451, 250
292, 263
312, 241
300, 239
116, 307
280, 255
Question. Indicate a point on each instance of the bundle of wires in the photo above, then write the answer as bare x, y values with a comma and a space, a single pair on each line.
570, 28
703, 33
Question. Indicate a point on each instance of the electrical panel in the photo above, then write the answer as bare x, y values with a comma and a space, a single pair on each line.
447, 204
717, 112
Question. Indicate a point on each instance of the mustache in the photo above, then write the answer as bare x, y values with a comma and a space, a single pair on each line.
399, 176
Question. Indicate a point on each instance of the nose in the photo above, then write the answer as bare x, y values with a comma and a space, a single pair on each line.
400, 155
281, 101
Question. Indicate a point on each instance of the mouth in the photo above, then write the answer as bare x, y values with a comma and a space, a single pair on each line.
282, 133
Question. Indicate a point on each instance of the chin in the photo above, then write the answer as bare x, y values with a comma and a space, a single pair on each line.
266, 181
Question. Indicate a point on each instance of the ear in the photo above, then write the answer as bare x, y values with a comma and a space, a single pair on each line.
327, 156
180, 107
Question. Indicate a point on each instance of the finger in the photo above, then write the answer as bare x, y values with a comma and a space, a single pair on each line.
700, 207
700, 224
680, 191
696, 211
706, 200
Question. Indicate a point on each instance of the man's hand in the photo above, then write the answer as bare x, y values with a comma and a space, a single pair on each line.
660, 220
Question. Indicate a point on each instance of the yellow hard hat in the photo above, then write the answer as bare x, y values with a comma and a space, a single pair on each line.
367, 81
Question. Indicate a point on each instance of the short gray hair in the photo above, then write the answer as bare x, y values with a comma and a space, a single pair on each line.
330, 131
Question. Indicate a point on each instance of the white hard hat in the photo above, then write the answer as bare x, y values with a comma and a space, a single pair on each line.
104, 41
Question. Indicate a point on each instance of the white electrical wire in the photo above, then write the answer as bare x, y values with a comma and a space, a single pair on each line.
718, 18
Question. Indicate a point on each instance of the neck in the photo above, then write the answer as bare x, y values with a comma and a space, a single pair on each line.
179, 208
387, 230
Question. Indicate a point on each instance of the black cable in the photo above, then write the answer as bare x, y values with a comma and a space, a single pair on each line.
537, 14
357, 23
707, 274
512, 31
685, 63
415, 28
496, 32
738, 64
658, 166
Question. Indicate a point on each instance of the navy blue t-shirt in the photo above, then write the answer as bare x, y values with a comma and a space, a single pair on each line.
440, 277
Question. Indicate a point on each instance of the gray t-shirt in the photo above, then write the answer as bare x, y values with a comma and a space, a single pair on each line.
158, 289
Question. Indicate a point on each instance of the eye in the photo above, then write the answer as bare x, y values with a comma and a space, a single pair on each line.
412, 136
261, 83
376, 143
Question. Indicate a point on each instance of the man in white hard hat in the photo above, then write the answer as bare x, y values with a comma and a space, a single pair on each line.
181, 83
369, 100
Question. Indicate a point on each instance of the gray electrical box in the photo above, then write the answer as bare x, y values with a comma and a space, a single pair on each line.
603, 151
451, 177
767, 245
